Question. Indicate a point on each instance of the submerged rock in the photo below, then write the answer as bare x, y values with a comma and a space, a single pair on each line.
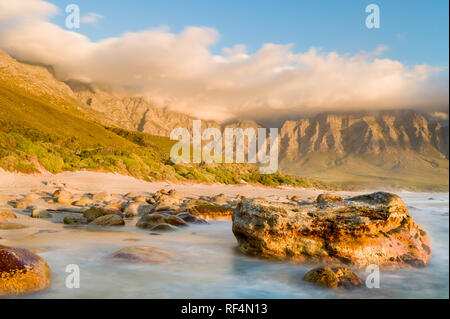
96, 212
108, 220
368, 229
150, 220
68, 220
333, 277
164, 227
191, 218
141, 255
11, 226
175, 221
40, 213
22, 272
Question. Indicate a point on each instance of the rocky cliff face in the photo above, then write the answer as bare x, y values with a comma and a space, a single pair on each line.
388, 132
137, 113
402, 149
132, 112
35, 80
395, 149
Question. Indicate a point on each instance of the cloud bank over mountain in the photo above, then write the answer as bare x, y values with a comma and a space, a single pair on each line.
181, 71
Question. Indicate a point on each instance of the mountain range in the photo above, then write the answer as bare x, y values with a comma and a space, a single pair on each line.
45, 127
401, 149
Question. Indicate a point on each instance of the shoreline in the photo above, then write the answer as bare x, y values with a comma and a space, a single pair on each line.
205, 250
89, 181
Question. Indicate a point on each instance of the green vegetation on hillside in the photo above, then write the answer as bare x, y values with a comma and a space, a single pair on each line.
36, 134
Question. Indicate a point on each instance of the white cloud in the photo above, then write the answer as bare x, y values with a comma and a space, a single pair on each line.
26, 9
439, 116
91, 18
181, 72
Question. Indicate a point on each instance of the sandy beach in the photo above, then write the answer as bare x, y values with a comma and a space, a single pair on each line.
84, 181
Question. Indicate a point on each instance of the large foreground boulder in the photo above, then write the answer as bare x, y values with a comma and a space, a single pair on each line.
368, 229
22, 272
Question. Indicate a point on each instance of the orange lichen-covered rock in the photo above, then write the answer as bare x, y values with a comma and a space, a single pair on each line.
22, 272
368, 229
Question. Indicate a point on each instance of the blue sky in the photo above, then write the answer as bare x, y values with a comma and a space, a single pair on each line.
416, 32
269, 69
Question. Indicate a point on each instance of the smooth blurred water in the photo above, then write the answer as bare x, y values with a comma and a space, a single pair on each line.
208, 265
